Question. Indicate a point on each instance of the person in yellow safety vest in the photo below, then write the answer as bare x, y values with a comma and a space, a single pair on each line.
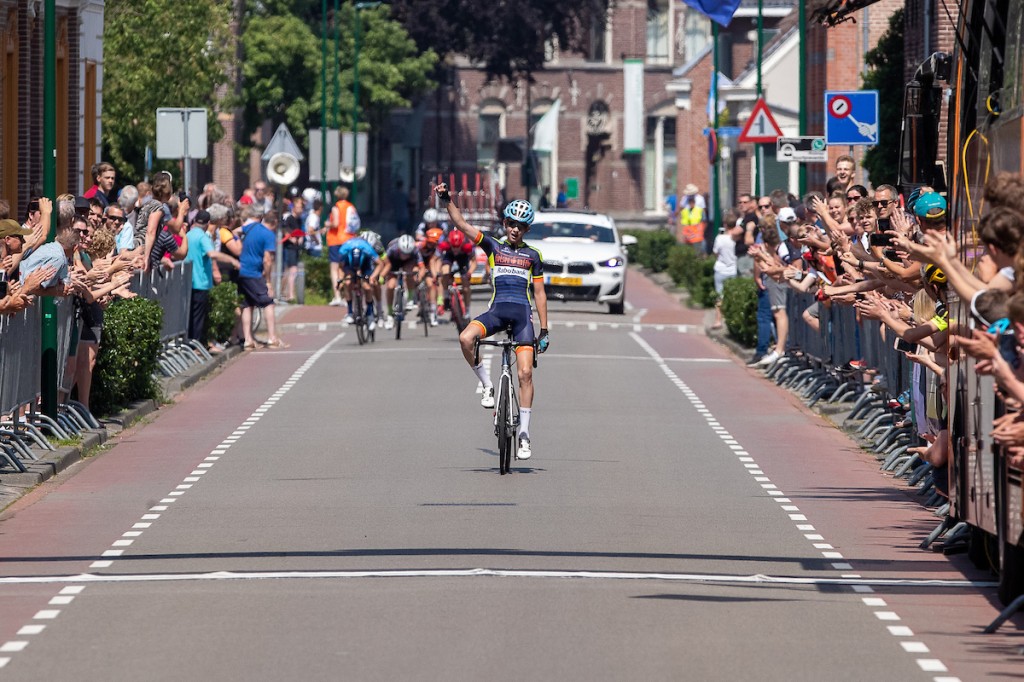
692, 222
342, 225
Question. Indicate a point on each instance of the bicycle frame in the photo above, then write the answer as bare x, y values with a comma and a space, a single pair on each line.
506, 411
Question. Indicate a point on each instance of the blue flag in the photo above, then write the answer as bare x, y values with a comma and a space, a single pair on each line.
719, 11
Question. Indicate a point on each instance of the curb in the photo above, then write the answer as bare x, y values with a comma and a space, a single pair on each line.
15, 485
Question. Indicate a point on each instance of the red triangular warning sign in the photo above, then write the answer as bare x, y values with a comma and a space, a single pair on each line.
761, 126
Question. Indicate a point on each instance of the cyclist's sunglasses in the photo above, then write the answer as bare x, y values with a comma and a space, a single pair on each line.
523, 227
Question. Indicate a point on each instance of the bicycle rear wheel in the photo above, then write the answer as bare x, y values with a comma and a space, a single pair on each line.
506, 432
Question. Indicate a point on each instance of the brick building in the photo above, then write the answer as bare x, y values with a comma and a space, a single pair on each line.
464, 122
79, 66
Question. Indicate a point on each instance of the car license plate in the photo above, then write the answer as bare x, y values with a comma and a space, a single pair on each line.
566, 281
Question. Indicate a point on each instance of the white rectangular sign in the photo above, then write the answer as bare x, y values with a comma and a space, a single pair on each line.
333, 158
181, 133
633, 107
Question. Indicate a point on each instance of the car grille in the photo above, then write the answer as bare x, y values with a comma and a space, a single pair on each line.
581, 268
564, 293
553, 267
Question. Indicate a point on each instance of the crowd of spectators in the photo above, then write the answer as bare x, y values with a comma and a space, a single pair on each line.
106, 236
892, 258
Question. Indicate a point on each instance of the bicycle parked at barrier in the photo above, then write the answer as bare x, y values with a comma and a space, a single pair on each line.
506, 411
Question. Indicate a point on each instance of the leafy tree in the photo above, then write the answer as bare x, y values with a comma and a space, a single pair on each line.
159, 53
885, 74
507, 37
281, 42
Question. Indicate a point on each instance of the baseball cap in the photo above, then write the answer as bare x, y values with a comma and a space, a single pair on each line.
931, 205
10, 228
81, 205
202, 217
787, 215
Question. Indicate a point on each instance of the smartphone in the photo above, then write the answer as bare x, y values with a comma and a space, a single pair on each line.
880, 239
903, 346
1008, 349
859, 296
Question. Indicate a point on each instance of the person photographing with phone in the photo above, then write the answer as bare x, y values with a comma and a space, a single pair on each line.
514, 267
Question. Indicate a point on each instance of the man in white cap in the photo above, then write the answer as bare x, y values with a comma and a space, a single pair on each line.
692, 222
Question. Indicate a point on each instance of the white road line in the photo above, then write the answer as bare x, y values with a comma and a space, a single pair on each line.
639, 315
755, 579
928, 665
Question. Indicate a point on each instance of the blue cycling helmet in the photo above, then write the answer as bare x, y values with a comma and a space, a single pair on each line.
520, 210
930, 205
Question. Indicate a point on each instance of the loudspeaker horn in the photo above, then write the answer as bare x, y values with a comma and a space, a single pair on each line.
346, 174
282, 169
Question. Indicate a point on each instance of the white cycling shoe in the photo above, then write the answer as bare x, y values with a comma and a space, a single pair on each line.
488, 398
524, 448
389, 322
348, 319
372, 324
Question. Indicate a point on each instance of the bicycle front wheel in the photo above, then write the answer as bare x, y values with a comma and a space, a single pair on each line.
399, 313
424, 314
362, 333
458, 310
506, 430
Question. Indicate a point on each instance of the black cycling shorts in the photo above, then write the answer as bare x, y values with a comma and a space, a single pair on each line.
501, 315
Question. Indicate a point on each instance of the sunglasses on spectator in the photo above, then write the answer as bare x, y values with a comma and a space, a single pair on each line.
119, 219
853, 197
881, 202
764, 205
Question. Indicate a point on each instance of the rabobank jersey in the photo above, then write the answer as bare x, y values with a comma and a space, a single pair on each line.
512, 269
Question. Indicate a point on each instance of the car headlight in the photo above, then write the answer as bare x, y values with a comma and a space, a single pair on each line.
616, 262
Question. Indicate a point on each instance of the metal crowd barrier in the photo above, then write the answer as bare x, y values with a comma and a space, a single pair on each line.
172, 289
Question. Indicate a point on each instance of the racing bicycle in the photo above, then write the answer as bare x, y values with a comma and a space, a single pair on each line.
360, 319
423, 306
458, 305
398, 310
506, 412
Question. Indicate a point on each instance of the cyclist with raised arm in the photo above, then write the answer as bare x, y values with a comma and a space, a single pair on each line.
401, 255
514, 266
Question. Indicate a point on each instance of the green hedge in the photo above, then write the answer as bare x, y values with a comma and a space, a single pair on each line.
739, 309
224, 301
652, 248
128, 355
318, 279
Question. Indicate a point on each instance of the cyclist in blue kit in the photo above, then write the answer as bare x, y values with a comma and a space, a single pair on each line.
514, 267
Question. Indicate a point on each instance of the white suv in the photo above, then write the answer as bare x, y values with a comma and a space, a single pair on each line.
584, 258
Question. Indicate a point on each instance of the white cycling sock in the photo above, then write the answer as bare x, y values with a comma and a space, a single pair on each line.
524, 422
483, 376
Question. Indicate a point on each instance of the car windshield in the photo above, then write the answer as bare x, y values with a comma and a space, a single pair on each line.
572, 230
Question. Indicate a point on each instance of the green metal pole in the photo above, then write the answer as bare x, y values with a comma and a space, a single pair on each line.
48, 375
355, 105
323, 104
716, 195
758, 148
802, 28
335, 112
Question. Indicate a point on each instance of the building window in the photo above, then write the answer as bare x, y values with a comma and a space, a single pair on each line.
658, 32
10, 75
659, 162
489, 125
597, 41
696, 34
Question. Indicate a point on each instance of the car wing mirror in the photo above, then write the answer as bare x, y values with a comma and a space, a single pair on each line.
628, 240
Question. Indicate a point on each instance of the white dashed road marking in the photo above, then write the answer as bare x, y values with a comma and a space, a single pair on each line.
67, 594
827, 551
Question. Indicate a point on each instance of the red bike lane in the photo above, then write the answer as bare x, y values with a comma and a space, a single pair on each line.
869, 522
66, 524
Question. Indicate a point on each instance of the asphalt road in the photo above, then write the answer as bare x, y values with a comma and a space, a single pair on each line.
335, 512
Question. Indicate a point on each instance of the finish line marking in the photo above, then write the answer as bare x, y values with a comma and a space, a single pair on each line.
756, 579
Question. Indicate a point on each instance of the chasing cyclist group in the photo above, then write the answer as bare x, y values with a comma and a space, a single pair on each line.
432, 256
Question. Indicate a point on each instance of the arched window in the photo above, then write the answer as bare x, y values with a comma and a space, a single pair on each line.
490, 128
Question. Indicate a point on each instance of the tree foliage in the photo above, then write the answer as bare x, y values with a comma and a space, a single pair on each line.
159, 54
507, 37
885, 74
282, 43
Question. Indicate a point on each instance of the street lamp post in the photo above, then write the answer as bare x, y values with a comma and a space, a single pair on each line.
355, 92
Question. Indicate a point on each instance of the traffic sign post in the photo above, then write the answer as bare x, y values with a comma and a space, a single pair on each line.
801, 149
761, 127
851, 117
